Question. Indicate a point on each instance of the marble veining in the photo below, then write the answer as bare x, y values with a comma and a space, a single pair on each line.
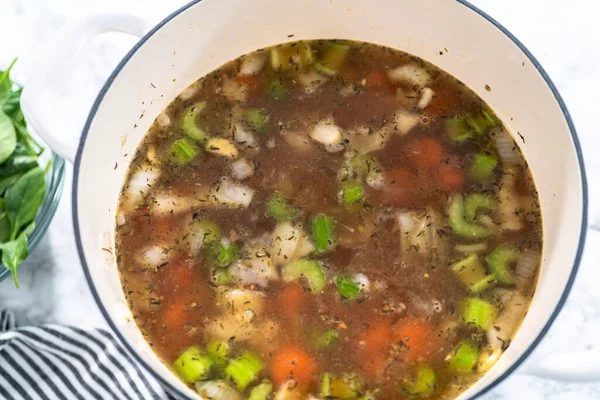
562, 35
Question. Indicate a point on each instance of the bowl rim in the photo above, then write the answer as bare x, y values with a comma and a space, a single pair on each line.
582, 235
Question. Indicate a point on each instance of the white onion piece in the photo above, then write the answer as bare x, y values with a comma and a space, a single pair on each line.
164, 203
364, 142
234, 90
363, 282
153, 257
406, 121
163, 120
289, 391
285, 240
326, 133
503, 328
232, 194
311, 81
487, 359
189, 92
299, 142
243, 275
415, 233
471, 248
410, 73
305, 246
121, 219
244, 137
236, 301
526, 267
252, 64
260, 261
217, 390
509, 204
242, 169
426, 97
141, 183
505, 146
375, 181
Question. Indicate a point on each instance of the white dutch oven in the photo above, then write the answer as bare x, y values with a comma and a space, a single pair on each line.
205, 34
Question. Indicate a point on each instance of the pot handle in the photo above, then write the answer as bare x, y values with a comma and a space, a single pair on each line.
48, 76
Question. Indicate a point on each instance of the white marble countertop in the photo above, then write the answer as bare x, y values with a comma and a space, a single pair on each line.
563, 38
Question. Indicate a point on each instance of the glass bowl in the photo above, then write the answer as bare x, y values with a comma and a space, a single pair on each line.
55, 180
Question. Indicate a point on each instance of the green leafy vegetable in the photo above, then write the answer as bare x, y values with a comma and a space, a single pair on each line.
347, 287
8, 137
323, 233
23, 199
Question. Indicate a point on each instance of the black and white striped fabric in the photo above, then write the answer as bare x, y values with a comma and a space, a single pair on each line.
66, 363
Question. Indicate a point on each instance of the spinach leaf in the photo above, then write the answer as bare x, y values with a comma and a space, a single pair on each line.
15, 252
21, 161
23, 199
7, 181
12, 106
4, 223
6, 83
8, 137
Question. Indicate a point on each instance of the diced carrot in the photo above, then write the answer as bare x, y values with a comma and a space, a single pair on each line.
378, 80
291, 298
176, 277
375, 352
162, 227
425, 152
292, 362
417, 339
175, 315
406, 188
451, 177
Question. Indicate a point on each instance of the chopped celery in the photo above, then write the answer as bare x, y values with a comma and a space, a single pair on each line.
461, 226
277, 89
361, 166
482, 167
278, 208
256, 119
472, 273
261, 391
323, 233
218, 350
498, 261
325, 391
424, 382
458, 130
326, 339
281, 57
479, 313
476, 124
243, 370
334, 57
324, 70
347, 287
221, 276
474, 201
222, 253
308, 268
463, 358
208, 231
193, 365
490, 121
346, 388
307, 55
184, 151
353, 193
189, 124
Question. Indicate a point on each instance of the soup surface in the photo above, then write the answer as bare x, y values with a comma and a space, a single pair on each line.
330, 220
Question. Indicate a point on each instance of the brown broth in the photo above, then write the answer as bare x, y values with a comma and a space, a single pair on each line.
172, 292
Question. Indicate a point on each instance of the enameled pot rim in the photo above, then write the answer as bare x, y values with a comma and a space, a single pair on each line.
534, 61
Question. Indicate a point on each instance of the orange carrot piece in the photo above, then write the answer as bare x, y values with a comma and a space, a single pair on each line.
451, 177
292, 362
175, 315
377, 340
291, 298
417, 337
425, 152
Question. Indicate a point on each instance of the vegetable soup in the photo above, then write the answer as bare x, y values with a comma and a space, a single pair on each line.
328, 220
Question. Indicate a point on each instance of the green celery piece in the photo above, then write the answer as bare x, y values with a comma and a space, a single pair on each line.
189, 122
489, 119
472, 273
458, 130
256, 119
479, 312
335, 55
277, 89
347, 287
483, 166
208, 231
325, 385
261, 391
220, 276
307, 55
218, 350
222, 253
244, 370
193, 365
424, 382
326, 339
320, 68
323, 233
345, 388
460, 225
463, 358
308, 268
278, 208
483, 284
475, 201
498, 262
353, 193
476, 124
183, 151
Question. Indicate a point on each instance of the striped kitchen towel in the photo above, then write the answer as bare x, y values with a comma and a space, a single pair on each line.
66, 363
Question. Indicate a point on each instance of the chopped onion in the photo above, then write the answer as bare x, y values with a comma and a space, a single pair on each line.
141, 183
526, 267
326, 133
189, 92
506, 147
471, 248
234, 90
415, 233
259, 262
163, 120
364, 142
252, 64
217, 390
153, 257
232, 194
375, 181
289, 391
426, 97
244, 137
406, 121
285, 240
410, 73
299, 142
487, 359
363, 282
509, 203
311, 81
242, 169
499, 334
164, 203
243, 275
